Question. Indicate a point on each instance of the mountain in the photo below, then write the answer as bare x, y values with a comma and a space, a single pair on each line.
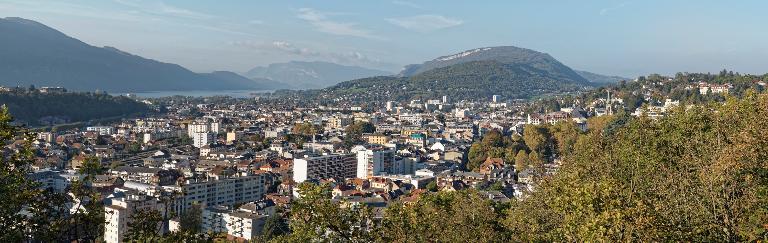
475, 74
503, 54
261, 83
34, 54
599, 78
311, 75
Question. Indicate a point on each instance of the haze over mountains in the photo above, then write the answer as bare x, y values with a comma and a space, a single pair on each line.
311, 75
34, 54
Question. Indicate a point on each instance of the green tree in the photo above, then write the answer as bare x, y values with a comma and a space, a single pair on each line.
144, 226
314, 217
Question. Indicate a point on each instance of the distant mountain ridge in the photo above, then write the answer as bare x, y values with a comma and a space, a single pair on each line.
600, 78
474, 74
34, 54
311, 75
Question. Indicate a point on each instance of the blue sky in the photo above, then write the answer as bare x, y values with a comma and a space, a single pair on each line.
626, 38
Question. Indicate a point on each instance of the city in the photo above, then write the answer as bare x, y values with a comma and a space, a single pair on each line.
491, 144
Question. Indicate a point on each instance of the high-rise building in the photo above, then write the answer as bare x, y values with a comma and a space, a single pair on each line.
375, 160
118, 211
224, 190
339, 166
197, 127
390, 105
496, 98
445, 99
201, 139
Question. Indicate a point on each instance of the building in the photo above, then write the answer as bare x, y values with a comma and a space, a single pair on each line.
375, 160
496, 98
118, 211
102, 130
378, 139
242, 224
339, 122
239, 188
46, 136
390, 105
201, 139
339, 166
232, 137
197, 127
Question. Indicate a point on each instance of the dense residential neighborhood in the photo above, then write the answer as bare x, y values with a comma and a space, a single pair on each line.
238, 163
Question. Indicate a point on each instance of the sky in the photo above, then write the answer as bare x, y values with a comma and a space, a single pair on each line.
626, 38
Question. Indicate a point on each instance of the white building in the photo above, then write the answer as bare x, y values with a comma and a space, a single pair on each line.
197, 127
339, 166
118, 213
201, 139
224, 190
102, 130
375, 160
496, 98
241, 224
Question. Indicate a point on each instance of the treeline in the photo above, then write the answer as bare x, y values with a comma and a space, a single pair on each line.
537, 146
477, 80
35, 108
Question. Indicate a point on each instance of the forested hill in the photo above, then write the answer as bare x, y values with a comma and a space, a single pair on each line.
36, 109
470, 81
471, 75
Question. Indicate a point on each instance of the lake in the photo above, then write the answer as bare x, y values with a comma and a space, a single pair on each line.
201, 93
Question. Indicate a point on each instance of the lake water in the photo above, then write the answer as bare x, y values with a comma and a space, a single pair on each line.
202, 93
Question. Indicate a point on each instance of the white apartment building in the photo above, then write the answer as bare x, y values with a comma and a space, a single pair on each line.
339, 166
242, 224
375, 160
197, 127
102, 130
228, 191
201, 139
118, 213
46, 136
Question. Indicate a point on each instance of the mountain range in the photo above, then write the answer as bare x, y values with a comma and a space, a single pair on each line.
509, 71
34, 54
311, 75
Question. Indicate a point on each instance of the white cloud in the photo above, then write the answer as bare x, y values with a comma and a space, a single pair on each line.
162, 9
605, 11
407, 4
305, 53
322, 23
256, 22
425, 23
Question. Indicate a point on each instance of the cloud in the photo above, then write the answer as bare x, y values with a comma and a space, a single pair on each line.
162, 9
425, 23
256, 22
322, 23
407, 4
605, 11
305, 53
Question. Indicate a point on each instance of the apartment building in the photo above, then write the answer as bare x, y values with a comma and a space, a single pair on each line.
340, 166
118, 211
239, 188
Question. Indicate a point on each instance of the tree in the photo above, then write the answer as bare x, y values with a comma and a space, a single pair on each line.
16, 189
464, 216
144, 226
431, 186
274, 226
535, 137
191, 219
521, 160
314, 217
